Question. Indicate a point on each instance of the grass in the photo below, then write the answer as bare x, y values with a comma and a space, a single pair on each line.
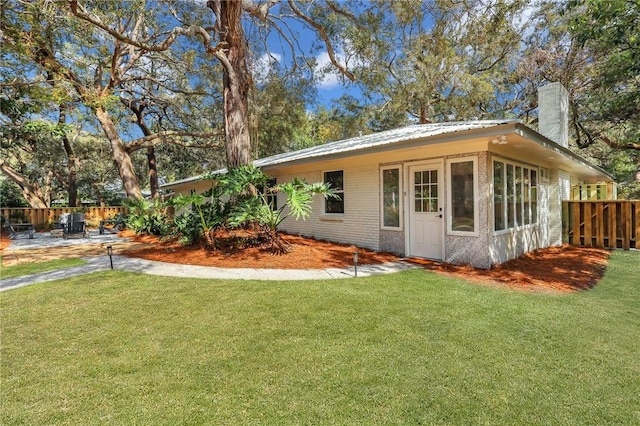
410, 348
38, 267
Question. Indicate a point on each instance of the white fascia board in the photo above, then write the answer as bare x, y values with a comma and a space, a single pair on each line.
547, 143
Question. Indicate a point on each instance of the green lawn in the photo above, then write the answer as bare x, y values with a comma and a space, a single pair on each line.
410, 348
37, 267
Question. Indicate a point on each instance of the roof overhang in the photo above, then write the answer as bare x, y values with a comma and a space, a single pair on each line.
518, 138
543, 149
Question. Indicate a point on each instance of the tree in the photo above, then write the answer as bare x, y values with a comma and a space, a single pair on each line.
608, 29
582, 45
10, 194
278, 112
228, 43
31, 153
99, 74
437, 61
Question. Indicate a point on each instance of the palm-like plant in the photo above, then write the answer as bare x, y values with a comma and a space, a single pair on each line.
298, 205
240, 199
253, 207
146, 217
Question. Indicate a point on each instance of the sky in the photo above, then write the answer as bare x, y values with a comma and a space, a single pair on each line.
329, 87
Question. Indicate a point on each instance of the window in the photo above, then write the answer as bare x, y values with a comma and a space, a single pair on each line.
336, 181
498, 196
518, 193
515, 195
462, 207
534, 196
391, 197
270, 197
510, 197
425, 187
526, 200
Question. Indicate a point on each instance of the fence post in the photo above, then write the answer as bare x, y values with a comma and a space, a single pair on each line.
599, 224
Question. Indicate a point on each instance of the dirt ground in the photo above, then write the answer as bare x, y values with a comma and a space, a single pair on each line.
557, 269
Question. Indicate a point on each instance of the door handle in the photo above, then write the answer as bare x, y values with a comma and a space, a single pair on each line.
440, 216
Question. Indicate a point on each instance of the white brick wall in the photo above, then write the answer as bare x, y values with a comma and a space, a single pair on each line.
559, 189
360, 224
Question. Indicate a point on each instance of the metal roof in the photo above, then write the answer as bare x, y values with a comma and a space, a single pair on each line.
381, 140
373, 140
388, 137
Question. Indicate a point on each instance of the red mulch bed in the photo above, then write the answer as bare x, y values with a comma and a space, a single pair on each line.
556, 269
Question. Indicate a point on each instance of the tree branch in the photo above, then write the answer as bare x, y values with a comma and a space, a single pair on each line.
260, 11
171, 136
323, 35
161, 47
340, 11
617, 145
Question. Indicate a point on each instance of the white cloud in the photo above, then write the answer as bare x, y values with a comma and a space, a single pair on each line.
262, 66
328, 77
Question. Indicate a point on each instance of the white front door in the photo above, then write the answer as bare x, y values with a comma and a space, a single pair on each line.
426, 211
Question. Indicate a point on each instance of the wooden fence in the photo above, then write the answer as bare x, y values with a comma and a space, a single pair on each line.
609, 224
45, 218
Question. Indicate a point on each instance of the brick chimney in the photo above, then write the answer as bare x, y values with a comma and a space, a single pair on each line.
553, 113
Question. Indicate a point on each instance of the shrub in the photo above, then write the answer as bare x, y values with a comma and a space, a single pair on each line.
147, 217
236, 209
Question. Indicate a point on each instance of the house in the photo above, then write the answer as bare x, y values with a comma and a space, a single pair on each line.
475, 192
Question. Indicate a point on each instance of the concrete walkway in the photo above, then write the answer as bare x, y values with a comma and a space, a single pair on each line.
130, 264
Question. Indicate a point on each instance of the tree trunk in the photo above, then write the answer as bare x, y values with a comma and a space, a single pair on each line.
424, 118
98, 192
153, 172
31, 193
72, 185
121, 158
236, 83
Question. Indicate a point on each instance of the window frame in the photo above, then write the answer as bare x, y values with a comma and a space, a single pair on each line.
270, 197
400, 197
449, 200
340, 193
528, 200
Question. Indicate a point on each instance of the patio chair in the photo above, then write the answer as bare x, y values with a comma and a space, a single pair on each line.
58, 227
18, 228
76, 225
115, 224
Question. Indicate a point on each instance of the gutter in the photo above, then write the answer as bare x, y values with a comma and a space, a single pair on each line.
547, 143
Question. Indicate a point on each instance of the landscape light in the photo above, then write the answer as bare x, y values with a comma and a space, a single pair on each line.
110, 252
355, 263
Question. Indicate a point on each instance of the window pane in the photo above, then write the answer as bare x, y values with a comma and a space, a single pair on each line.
462, 196
418, 177
434, 176
335, 179
391, 197
270, 197
335, 206
526, 197
510, 197
498, 195
534, 196
518, 179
